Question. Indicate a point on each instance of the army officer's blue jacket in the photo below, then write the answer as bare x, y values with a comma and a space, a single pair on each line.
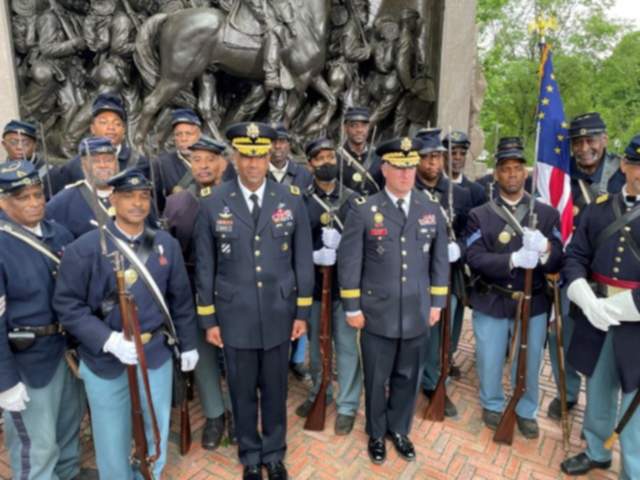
26, 288
391, 270
612, 261
253, 281
86, 299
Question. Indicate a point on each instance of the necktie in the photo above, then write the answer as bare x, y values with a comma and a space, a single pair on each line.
400, 204
255, 211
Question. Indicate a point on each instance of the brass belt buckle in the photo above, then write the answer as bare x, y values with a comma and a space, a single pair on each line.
145, 337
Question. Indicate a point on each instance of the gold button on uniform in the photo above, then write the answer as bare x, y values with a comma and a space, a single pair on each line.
616, 269
258, 268
404, 279
618, 259
402, 239
404, 266
404, 253
257, 238
621, 249
257, 253
259, 284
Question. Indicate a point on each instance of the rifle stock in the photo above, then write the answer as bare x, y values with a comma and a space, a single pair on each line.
317, 414
504, 431
185, 419
131, 330
435, 410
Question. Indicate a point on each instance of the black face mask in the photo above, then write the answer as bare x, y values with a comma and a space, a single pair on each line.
327, 172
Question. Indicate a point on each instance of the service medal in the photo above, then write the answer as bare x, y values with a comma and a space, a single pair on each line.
378, 218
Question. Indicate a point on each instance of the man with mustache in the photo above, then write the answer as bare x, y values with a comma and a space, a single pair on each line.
603, 274
594, 172
207, 165
86, 300
254, 278
41, 399
500, 248
76, 207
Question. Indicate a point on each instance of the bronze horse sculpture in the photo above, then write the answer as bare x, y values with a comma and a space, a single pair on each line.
192, 45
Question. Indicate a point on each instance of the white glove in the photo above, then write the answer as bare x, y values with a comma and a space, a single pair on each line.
189, 360
15, 399
454, 252
123, 350
331, 237
598, 311
524, 258
625, 304
324, 257
535, 240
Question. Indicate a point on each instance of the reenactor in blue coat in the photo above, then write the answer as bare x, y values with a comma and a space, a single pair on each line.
173, 168
460, 144
42, 400
254, 278
393, 270
361, 166
19, 140
108, 119
498, 251
87, 304
206, 168
76, 206
603, 273
594, 172
327, 203
431, 180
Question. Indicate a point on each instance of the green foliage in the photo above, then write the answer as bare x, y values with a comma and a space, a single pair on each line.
596, 60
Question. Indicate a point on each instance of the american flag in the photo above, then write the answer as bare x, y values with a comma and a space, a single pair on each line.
552, 166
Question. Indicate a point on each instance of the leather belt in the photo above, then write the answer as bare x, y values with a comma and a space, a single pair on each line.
41, 330
506, 292
608, 286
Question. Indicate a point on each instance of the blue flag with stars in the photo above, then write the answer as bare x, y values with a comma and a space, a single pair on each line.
553, 162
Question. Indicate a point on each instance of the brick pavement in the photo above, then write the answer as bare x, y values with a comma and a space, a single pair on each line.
459, 448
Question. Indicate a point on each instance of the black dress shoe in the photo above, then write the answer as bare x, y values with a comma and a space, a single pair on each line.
555, 410
403, 446
581, 464
252, 472
212, 432
490, 418
276, 471
344, 424
377, 450
299, 372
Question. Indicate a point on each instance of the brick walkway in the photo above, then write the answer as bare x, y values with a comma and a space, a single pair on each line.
459, 448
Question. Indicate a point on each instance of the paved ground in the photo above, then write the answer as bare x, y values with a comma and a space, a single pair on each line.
459, 448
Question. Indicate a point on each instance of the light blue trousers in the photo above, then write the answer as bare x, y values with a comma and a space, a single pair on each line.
346, 351
602, 414
111, 419
42, 440
492, 338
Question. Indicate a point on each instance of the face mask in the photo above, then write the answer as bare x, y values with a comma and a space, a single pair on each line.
327, 172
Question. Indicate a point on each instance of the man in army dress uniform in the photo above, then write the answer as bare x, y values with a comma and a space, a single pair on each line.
254, 278
41, 399
431, 180
393, 271
76, 206
603, 273
206, 167
327, 204
594, 172
499, 249
87, 304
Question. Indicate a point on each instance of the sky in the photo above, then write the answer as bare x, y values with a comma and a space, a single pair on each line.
628, 10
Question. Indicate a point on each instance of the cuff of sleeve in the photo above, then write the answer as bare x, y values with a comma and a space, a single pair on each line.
350, 299
303, 310
439, 296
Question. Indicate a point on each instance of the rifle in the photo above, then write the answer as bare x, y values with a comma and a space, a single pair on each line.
633, 406
504, 431
561, 364
46, 160
185, 419
317, 414
69, 30
131, 14
436, 407
131, 330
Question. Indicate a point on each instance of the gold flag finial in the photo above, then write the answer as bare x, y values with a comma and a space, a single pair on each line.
543, 25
